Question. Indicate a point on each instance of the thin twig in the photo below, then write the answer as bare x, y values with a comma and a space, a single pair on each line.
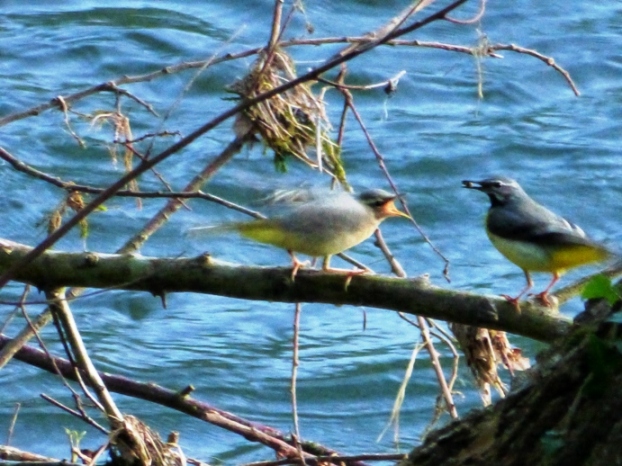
438, 368
383, 167
77, 413
164, 214
548, 60
93, 460
423, 325
451, 407
474, 19
570, 291
19, 306
344, 111
444, 337
408, 319
77, 374
295, 362
61, 309
13, 457
65, 109
394, 420
336, 459
39, 463
76, 397
275, 33
390, 28
365, 87
186, 194
9, 436
147, 136
9, 350
396, 267
189, 85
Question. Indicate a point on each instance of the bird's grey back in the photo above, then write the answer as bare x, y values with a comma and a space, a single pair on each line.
334, 212
522, 217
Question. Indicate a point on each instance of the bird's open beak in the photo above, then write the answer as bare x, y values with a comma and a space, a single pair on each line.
390, 210
472, 184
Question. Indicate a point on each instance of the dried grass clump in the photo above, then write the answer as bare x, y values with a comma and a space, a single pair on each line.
138, 445
290, 122
484, 350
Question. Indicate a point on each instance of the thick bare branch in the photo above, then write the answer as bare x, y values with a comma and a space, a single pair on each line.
179, 401
204, 274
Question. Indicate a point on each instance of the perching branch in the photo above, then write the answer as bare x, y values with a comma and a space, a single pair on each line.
204, 274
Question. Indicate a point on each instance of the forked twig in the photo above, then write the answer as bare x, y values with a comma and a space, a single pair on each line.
60, 308
474, 19
550, 61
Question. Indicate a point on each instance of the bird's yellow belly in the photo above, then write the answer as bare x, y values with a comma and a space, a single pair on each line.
312, 244
533, 257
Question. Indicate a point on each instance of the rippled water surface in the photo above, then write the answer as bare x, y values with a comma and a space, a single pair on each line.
433, 133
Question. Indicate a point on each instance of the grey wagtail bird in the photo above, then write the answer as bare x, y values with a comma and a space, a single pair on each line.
318, 224
533, 237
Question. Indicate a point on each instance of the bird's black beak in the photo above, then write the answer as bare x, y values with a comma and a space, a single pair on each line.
472, 185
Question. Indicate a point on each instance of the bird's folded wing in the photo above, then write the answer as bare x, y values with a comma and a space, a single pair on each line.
564, 239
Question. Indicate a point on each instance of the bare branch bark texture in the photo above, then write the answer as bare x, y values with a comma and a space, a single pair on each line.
567, 412
204, 274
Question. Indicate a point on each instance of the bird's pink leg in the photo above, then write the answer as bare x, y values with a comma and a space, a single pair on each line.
544, 295
349, 273
528, 287
296, 264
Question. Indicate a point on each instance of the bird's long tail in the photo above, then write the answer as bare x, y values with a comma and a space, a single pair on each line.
214, 229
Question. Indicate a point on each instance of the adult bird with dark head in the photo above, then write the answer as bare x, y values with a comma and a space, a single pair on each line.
533, 237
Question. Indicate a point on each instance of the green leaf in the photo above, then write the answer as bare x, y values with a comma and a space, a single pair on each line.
600, 287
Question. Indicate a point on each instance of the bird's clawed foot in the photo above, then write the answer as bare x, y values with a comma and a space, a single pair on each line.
513, 301
349, 274
541, 297
353, 273
296, 265
544, 298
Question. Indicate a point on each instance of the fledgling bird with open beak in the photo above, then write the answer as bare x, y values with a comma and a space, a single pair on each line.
318, 224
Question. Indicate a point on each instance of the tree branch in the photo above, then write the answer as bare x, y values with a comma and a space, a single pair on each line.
204, 274
59, 306
177, 400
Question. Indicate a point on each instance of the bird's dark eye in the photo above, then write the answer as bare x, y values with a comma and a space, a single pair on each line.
496, 184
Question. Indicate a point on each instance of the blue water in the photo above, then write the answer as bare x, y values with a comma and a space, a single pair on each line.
433, 133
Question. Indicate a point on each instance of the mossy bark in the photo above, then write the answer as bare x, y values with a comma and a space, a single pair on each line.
567, 411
